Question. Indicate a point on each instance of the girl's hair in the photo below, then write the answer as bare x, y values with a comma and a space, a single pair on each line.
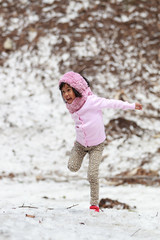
77, 94
86, 81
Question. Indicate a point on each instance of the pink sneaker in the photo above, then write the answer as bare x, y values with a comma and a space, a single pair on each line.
95, 208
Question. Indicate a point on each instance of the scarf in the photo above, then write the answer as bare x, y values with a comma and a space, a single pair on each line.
78, 102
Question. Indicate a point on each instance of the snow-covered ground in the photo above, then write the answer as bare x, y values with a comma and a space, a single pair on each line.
60, 211
39, 197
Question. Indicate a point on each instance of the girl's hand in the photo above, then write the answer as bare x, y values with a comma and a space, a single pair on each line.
138, 106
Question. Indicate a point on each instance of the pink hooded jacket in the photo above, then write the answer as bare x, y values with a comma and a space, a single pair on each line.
88, 118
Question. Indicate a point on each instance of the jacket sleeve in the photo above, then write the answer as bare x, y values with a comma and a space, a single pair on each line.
101, 103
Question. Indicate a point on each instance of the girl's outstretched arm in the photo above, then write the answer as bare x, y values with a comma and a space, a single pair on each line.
138, 106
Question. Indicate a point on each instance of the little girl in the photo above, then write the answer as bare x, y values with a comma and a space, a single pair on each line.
86, 110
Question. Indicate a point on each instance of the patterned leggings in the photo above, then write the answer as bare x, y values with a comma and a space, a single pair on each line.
95, 155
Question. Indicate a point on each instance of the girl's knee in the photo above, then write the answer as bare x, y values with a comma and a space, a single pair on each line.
73, 168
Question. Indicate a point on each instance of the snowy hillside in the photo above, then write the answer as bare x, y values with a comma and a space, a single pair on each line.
117, 45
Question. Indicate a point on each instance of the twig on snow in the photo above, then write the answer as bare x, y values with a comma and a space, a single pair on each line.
30, 216
72, 206
27, 207
135, 232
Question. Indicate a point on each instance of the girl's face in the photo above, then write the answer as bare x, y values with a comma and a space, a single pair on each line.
68, 94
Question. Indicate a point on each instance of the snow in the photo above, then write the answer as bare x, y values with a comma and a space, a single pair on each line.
54, 219
37, 134
35, 147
